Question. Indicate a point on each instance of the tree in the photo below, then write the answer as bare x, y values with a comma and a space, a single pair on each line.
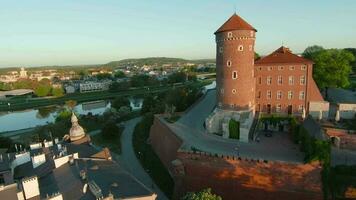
70, 104
234, 129
311, 51
103, 76
177, 77
57, 92
110, 130
63, 115
119, 74
116, 87
148, 104
119, 102
201, 195
257, 56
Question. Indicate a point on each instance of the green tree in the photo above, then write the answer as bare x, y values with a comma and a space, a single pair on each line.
205, 194
110, 130
119, 74
257, 56
311, 51
148, 104
120, 102
234, 129
63, 115
57, 92
177, 77
43, 88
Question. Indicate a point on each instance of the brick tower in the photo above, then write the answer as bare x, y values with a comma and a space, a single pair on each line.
235, 41
235, 81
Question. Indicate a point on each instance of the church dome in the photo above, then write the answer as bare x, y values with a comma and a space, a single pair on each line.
76, 132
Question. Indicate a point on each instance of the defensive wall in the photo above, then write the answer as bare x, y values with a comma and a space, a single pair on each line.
233, 177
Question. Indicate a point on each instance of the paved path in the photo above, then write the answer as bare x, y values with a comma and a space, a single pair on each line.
190, 129
129, 161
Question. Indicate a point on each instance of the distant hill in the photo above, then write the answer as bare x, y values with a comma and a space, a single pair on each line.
156, 61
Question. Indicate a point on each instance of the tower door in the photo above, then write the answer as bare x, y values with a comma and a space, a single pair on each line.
269, 108
290, 109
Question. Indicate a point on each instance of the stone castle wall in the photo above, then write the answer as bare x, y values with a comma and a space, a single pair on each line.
239, 178
233, 178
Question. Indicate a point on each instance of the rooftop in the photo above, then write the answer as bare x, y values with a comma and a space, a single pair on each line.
235, 22
282, 55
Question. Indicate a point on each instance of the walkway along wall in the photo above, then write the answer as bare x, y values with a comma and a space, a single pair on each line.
233, 178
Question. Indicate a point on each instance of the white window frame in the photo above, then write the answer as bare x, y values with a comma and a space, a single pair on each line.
291, 68
300, 108
221, 49
302, 80
269, 80
233, 91
280, 68
229, 63
269, 94
303, 67
301, 95
279, 94
290, 94
229, 35
234, 75
291, 80
240, 47
280, 80
278, 107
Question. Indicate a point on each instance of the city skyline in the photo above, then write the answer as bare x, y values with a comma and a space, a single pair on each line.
88, 32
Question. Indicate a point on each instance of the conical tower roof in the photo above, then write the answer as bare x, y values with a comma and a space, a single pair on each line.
235, 22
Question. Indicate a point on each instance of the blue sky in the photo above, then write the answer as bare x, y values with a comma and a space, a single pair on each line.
63, 32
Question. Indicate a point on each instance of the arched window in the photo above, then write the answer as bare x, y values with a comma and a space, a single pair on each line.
234, 75
229, 34
229, 63
240, 47
233, 91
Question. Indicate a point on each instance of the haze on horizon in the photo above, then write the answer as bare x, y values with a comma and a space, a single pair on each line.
66, 32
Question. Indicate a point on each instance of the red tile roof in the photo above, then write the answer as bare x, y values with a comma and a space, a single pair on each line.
235, 22
314, 92
282, 55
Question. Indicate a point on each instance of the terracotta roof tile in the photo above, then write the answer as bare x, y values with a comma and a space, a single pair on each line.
235, 22
282, 55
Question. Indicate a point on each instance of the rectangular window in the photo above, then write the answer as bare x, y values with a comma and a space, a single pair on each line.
301, 95
280, 80
269, 94
302, 80
290, 95
291, 80
278, 108
279, 94
280, 67
304, 67
234, 75
291, 67
300, 108
269, 80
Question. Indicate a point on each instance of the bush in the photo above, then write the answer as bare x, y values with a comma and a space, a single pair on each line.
110, 131
234, 129
120, 102
202, 195
57, 92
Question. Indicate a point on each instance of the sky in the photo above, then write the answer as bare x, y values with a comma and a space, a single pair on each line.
72, 32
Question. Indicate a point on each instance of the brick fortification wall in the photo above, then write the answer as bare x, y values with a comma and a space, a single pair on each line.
233, 178
164, 142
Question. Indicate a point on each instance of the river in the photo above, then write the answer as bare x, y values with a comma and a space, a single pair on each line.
17, 120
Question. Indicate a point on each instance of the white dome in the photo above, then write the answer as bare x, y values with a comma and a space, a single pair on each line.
76, 132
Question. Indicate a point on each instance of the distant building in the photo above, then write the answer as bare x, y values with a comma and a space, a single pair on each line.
23, 73
92, 86
69, 89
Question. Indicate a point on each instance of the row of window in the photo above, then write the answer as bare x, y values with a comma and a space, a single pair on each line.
303, 67
302, 80
239, 48
230, 35
279, 94
279, 108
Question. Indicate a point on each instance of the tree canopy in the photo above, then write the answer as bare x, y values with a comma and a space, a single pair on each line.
205, 194
332, 66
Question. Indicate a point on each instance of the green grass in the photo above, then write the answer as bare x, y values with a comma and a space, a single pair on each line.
149, 159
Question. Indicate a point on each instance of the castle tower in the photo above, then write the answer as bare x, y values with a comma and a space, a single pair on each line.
235, 41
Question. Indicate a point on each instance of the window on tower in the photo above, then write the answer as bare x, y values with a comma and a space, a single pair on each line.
260, 80
234, 75
229, 34
259, 94
229, 63
233, 91
220, 49
240, 48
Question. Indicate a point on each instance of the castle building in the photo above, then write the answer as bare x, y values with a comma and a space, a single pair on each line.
281, 82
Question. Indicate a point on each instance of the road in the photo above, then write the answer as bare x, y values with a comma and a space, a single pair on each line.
129, 161
190, 129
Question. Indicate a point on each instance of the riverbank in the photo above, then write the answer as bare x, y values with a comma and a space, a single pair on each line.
26, 103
